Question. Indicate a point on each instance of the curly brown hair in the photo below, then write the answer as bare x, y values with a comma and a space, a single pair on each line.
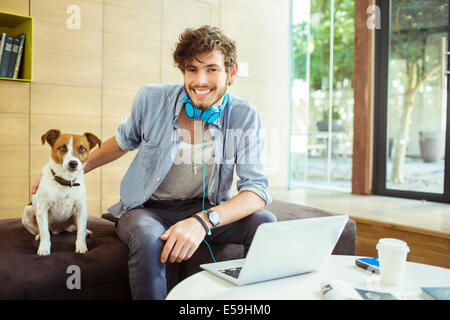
204, 39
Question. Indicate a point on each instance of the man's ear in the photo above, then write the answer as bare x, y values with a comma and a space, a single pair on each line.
50, 136
93, 140
233, 73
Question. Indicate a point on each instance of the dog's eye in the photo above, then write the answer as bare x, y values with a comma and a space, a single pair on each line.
63, 148
82, 149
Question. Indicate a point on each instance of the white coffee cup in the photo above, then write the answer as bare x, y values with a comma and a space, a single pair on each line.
392, 257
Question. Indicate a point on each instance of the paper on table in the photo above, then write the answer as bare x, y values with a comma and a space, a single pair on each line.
340, 290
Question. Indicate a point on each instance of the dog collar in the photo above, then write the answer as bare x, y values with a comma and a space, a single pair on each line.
64, 182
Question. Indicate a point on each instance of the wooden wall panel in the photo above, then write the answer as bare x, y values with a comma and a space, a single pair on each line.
14, 129
67, 56
56, 11
14, 97
84, 43
14, 160
364, 83
61, 100
131, 51
13, 196
57, 69
131, 59
430, 248
14, 135
14, 147
15, 6
177, 16
116, 104
113, 172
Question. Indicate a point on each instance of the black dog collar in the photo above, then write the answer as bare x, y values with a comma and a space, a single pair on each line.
64, 182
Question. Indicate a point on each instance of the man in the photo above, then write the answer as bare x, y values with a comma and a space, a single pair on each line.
185, 165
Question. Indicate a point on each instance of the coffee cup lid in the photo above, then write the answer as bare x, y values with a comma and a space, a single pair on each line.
393, 244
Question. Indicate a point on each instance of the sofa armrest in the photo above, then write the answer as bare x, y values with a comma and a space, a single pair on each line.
283, 210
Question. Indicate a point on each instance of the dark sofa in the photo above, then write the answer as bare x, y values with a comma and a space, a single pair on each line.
103, 270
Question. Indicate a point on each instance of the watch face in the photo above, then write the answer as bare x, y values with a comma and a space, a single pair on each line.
213, 217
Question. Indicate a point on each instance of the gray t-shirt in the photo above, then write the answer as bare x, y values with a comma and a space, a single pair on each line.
185, 177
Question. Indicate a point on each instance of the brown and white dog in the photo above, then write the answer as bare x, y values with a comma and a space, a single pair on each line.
60, 201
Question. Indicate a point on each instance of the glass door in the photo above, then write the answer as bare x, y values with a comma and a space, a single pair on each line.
411, 115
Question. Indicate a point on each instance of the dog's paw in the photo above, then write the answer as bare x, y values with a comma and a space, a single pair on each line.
44, 249
88, 233
81, 247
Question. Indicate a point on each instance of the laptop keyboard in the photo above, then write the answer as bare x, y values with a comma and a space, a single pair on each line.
232, 272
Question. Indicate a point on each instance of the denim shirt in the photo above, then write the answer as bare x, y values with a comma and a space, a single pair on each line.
238, 138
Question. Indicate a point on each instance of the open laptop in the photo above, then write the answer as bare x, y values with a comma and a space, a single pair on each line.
282, 249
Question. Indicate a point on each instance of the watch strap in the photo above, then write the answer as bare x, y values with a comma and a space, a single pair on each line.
208, 231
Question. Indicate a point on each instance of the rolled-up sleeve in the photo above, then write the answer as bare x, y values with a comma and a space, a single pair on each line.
251, 159
128, 134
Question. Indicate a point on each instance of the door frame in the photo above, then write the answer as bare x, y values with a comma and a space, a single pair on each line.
382, 54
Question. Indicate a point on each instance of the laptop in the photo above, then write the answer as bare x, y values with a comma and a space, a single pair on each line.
283, 249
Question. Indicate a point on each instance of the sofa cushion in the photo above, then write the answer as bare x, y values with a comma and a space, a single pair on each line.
25, 275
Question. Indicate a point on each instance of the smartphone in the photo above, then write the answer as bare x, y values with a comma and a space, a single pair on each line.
370, 264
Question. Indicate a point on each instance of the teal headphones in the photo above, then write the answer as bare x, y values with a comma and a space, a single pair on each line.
207, 116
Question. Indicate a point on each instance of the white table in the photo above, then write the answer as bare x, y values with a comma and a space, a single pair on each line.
205, 286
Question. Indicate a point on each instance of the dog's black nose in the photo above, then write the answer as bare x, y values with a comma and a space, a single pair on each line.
73, 164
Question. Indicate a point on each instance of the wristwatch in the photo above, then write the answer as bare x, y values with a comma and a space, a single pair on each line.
213, 217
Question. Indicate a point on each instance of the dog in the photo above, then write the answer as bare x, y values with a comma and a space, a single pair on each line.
59, 203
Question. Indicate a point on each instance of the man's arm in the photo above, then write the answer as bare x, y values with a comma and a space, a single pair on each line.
237, 208
108, 152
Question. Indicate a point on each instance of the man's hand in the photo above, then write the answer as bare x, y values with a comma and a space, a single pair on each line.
36, 183
182, 239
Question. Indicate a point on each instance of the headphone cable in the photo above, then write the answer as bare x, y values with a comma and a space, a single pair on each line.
204, 174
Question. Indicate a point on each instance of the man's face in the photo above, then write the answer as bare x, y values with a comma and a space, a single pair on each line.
206, 78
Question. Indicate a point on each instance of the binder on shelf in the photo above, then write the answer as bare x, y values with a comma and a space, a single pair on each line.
4, 68
13, 57
2, 45
16, 69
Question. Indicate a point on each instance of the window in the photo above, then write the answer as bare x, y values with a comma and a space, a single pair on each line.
411, 107
322, 94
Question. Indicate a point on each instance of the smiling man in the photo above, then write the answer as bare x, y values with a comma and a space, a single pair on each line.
191, 137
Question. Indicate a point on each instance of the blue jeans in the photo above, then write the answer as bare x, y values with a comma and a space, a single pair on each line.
141, 228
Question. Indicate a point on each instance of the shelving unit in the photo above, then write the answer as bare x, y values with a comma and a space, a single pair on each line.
15, 24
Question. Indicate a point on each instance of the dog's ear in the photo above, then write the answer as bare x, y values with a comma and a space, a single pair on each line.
50, 136
93, 140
